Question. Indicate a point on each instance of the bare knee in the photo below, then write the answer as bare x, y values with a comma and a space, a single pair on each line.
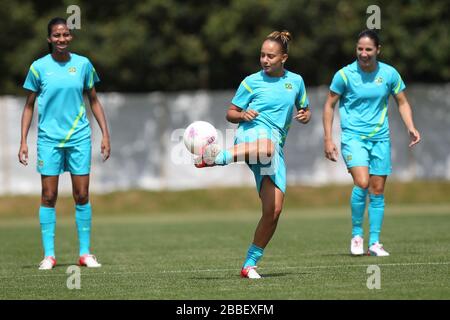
277, 212
48, 198
81, 196
362, 182
273, 214
377, 184
376, 189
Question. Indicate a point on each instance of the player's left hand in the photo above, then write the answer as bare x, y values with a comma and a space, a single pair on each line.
415, 136
23, 154
105, 148
303, 116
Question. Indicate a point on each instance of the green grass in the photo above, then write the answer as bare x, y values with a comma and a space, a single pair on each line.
198, 256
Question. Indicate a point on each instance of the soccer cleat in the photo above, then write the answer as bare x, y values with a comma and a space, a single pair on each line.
199, 163
48, 263
377, 250
89, 260
208, 156
357, 246
250, 272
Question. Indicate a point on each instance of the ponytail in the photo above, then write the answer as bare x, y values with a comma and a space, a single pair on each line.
282, 38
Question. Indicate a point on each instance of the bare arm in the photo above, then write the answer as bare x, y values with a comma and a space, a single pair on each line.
330, 149
406, 113
27, 117
99, 115
236, 114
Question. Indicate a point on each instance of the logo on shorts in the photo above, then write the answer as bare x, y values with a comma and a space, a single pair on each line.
378, 80
40, 163
288, 86
72, 70
348, 157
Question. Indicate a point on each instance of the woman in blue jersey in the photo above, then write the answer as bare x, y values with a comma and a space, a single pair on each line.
264, 105
58, 81
363, 89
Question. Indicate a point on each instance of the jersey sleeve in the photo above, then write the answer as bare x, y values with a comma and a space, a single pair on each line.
302, 100
33, 79
91, 77
339, 82
243, 96
397, 84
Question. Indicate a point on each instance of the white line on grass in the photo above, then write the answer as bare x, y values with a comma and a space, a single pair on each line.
50, 274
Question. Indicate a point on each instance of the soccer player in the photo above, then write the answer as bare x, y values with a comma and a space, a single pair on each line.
58, 81
264, 105
363, 89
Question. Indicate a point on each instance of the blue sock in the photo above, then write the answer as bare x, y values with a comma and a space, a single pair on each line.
223, 158
358, 204
83, 217
376, 214
47, 219
254, 253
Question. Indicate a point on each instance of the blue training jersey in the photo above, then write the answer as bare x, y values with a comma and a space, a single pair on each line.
274, 98
364, 99
61, 110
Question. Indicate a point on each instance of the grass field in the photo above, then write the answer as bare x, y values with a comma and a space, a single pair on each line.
198, 256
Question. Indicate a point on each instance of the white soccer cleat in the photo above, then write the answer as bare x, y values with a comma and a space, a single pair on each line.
89, 260
377, 250
250, 272
47, 264
208, 156
357, 246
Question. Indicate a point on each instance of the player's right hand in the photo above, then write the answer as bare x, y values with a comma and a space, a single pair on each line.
23, 154
249, 115
415, 137
331, 152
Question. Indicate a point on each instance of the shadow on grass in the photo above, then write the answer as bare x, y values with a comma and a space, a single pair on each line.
58, 266
341, 255
275, 275
237, 276
211, 278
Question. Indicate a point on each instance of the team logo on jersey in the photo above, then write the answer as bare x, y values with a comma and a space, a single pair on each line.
349, 157
40, 163
288, 86
72, 70
378, 80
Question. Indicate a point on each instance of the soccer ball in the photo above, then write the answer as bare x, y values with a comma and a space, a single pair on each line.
198, 135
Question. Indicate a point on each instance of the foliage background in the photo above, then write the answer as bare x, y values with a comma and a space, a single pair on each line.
172, 45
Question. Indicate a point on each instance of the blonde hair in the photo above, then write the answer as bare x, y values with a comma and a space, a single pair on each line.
282, 38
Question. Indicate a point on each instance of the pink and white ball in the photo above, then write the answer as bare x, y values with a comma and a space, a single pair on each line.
198, 135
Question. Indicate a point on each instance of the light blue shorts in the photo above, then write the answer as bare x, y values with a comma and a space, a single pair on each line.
53, 160
376, 155
274, 167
